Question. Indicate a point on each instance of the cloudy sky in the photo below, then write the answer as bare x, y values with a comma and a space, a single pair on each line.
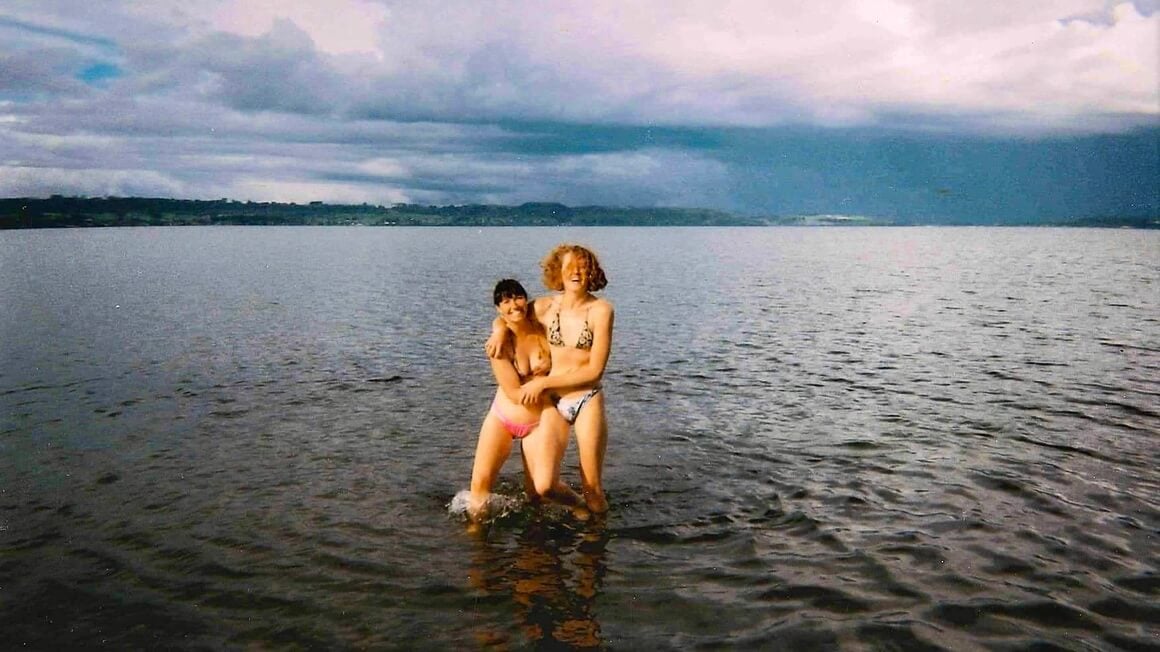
1016, 108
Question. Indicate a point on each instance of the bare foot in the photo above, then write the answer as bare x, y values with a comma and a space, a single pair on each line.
597, 503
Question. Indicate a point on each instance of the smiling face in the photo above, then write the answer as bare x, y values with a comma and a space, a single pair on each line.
572, 268
513, 309
575, 272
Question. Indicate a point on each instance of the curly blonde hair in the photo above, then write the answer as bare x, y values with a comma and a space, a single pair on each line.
553, 263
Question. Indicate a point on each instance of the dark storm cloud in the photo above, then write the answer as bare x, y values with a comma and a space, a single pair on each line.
867, 106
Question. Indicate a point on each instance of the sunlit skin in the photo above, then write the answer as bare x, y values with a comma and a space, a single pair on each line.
544, 447
574, 370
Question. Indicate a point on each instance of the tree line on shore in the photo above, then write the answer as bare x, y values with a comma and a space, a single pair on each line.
59, 211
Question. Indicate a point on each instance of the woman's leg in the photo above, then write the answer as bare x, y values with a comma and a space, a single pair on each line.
491, 451
543, 451
591, 441
529, 485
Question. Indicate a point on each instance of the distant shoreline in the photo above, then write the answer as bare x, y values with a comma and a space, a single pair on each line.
80, 212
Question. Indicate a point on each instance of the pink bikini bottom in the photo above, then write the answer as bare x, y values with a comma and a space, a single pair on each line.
516, 430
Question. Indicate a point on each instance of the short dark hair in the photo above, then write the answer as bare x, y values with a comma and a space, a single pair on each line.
508, 288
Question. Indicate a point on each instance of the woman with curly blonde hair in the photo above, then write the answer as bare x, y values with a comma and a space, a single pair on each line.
579, 328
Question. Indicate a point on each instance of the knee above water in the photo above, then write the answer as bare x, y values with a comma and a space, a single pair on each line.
543, 484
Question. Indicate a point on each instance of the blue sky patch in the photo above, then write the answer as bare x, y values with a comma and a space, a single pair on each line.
99, 72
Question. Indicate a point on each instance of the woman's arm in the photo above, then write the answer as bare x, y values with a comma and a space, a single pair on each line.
494, 346
539, 308
506, 377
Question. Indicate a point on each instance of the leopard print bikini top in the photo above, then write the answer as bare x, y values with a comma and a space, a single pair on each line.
584, 342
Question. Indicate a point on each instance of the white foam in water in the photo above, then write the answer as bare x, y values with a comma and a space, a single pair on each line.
498, 505
458, 504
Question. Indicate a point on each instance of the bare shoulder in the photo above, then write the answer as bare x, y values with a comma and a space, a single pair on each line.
602, 308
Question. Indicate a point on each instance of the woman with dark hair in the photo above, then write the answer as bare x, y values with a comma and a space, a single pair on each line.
513, 418
579, 334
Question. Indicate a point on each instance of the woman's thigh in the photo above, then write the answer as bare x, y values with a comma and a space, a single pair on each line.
591, 427
493, 447
545, 445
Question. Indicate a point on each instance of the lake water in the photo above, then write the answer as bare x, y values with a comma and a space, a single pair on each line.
821, 438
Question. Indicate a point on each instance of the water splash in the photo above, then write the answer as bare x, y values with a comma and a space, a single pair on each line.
498, 505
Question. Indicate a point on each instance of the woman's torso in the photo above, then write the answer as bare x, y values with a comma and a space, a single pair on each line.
530, 358
570, 335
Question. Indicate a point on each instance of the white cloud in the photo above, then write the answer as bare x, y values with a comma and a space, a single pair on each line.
384, 167
683, 62
22, 181
760, 63
351, 26
159, 147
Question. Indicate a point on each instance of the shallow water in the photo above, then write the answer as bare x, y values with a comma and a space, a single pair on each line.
821, 439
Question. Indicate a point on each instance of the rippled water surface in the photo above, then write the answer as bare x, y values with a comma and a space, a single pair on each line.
821, 438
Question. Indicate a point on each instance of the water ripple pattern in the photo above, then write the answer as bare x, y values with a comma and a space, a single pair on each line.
821, 438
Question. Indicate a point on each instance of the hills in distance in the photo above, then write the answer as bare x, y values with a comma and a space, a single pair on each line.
59, 211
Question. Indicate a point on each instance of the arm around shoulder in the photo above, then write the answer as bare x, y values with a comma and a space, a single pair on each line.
498, 340
540, 306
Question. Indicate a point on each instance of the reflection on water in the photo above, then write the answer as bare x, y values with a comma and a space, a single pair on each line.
548, 573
